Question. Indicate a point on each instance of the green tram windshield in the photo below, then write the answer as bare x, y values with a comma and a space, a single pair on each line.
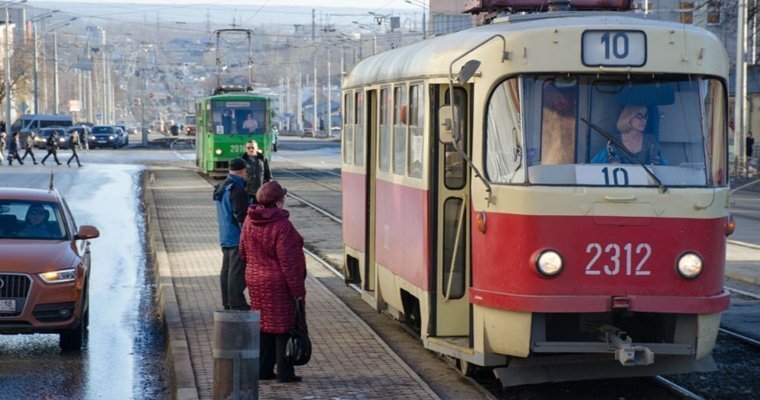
238, 117
567, 130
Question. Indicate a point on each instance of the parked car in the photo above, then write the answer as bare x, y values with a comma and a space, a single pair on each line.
124, 134
42, 136
44, 266
105, 136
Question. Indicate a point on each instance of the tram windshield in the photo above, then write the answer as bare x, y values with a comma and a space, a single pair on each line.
241, 117
608, 131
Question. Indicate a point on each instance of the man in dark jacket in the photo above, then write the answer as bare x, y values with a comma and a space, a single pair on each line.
52, 144
257, 168
29, 141
13, 150
231, 208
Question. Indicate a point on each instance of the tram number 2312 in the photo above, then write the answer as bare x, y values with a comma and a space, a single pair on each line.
614, 259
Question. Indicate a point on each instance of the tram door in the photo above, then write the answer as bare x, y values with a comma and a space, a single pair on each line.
453, 234
369, 108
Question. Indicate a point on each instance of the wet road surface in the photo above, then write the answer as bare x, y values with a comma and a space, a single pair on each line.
124, 357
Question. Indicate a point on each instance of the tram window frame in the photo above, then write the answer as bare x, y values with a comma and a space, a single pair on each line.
455, 166
348, 137
498, 169
384, 145
359, 123
452, 213
400, 121
416, 138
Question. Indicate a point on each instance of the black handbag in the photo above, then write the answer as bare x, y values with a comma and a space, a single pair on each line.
298, 349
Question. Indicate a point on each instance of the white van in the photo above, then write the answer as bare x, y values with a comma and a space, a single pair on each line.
33, 122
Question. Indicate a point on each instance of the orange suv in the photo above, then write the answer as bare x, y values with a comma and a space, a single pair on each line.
44, 266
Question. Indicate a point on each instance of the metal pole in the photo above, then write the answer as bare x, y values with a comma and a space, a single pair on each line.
7, 71
740, 91
329, 96
55, 71
36, 79
315, 125
299, 105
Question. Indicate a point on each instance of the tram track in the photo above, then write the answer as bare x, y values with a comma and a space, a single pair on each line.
674, 387
487, 388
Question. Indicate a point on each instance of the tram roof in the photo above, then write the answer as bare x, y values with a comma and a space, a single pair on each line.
431, 58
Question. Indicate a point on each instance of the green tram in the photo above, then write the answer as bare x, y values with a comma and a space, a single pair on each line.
225, 122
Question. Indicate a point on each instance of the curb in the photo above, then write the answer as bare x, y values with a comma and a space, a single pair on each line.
178, 352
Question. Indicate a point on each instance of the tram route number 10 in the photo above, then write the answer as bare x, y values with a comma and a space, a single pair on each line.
614, 259
614, 48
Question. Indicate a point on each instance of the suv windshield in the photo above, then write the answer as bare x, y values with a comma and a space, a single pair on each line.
605, 130
31, 220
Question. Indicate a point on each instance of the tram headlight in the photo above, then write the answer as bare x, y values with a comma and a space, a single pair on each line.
690, 265
549, 263
218, 152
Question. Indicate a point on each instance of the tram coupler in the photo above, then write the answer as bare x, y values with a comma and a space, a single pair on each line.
626, 352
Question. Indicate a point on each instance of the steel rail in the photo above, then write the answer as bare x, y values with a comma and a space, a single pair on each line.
676, 389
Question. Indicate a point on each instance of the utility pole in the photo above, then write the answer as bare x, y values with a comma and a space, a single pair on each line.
55, 71
299, 106
329, 97
316, 121
740, 94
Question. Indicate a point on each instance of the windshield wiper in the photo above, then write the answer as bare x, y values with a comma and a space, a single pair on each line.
627, 152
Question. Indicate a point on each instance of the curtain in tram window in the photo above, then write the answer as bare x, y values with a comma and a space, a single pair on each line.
504, 163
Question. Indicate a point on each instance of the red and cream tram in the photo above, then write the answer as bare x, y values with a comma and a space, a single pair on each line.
545, 195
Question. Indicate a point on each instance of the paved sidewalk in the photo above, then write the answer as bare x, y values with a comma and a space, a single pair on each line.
349, 361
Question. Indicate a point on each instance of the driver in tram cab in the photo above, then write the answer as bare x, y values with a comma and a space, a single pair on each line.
250, 125
644, 147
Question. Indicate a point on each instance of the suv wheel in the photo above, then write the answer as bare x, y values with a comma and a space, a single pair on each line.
73, 339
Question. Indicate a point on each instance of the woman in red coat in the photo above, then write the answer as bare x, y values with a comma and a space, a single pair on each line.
275, 273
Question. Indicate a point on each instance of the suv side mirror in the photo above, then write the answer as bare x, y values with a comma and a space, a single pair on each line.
87, 232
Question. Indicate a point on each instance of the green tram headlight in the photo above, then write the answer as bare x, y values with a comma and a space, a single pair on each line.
218, 152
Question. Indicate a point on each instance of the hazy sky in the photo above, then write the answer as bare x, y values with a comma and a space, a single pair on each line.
246, 11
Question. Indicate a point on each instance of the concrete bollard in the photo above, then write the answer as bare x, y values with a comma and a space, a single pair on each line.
236, 355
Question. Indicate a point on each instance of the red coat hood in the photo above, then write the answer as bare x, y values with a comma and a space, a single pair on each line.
260, 215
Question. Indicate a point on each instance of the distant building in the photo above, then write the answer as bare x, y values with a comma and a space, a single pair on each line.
446, 16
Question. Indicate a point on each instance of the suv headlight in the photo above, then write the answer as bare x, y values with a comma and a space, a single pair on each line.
60, 276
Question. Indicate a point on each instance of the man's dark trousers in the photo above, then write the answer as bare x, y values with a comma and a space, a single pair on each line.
232, 280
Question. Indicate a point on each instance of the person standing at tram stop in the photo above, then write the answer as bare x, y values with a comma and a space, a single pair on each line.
275, 273
257, 168
13, 147
749, 143
74, 144
644, 147
3, 144
52, 144
29, 141
231, 205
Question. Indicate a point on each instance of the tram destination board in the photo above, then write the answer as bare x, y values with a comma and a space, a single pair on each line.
614, 48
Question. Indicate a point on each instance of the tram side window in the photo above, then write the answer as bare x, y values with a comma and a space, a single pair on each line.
400, 121
714, 106
456, 168
359, 133
504, 142
348, 134
384, 158
416, 129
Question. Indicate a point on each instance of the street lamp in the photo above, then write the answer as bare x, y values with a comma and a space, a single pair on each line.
34, 21
425, 10
8, 64
55, 59
374, 35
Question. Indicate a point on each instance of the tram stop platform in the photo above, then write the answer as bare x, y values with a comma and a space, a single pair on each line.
349, 360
